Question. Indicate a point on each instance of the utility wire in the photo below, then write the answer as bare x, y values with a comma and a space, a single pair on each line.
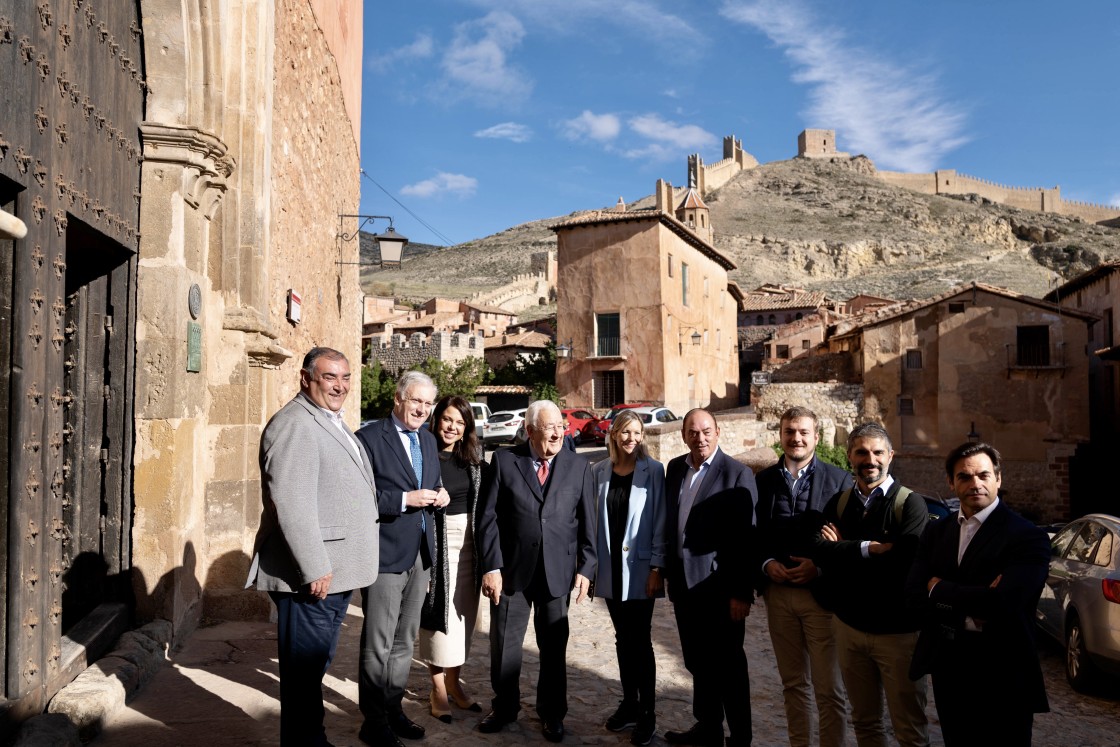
446, 241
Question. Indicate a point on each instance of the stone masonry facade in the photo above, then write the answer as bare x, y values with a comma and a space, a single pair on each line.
398, 353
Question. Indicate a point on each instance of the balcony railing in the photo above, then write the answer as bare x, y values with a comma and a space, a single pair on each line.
607, 347
1041, 356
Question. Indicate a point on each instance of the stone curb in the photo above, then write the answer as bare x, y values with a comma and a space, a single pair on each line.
77, 713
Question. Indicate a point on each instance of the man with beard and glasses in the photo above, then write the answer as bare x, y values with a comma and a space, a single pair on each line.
865, 551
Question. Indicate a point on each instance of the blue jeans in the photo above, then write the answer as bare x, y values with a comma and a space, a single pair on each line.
307, 632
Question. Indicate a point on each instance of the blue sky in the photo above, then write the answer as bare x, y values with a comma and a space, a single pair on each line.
482, 114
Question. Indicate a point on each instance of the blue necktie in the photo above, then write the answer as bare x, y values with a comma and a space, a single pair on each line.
418, 468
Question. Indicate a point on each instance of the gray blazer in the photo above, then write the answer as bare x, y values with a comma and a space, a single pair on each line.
320, 512
643, 544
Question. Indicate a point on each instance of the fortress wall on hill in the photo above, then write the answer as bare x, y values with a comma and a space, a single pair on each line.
949, 182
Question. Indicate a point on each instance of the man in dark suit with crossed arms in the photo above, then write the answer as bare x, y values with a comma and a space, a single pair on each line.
536, 543
405, 459
710, 501
977, 578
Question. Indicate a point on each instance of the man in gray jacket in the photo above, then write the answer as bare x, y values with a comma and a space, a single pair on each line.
318, 536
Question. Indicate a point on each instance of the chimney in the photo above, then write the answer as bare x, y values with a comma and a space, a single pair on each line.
663, 196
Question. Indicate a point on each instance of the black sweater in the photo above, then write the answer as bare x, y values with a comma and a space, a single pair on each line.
867, 593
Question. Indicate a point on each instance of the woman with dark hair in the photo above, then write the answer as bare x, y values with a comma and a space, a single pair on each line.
630, 494
451, 607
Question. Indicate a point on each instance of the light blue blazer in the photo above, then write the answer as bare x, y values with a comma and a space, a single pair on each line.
643, 544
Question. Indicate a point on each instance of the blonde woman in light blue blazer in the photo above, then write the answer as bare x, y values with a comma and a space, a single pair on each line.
630, 505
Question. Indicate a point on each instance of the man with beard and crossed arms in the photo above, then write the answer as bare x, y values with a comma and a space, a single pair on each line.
791, 498
865, 552
710, 501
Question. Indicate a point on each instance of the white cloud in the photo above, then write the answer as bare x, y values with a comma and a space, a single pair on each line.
518, 133
640, 18
458, 185
477, 61
671, 135
602, 128
1114, 201
421, 48
893, 113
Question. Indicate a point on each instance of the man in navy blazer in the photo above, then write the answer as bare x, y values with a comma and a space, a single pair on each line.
710, 500
792, 495
536, 541
976, 579
405, 459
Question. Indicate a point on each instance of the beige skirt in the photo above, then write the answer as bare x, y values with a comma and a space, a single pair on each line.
450, 649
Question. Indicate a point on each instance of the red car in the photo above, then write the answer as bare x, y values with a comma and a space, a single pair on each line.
604, 426
579, 423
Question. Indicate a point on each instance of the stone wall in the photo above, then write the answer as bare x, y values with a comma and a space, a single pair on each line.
738, 432
248, 161
1048, 199
840, 404
399, 353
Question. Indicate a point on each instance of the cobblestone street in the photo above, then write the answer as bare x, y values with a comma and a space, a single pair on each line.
221, 689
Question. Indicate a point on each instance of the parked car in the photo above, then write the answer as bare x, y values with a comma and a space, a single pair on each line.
655, 415
604, 425
1080, 604
580, 424
481, 415
502, 426
522, 435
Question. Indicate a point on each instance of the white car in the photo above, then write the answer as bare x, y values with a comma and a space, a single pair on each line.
502, 426
481, 415
654, 415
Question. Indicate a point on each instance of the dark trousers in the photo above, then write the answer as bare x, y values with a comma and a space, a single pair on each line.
633, 622
712, 644
964, 670
306, 637
391, 606
508, 623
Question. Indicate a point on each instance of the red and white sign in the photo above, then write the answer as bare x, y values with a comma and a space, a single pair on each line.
294, 306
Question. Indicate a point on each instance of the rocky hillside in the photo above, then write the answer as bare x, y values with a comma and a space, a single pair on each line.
832, 226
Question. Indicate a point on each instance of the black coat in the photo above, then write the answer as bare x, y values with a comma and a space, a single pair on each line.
779, 537
1018, 553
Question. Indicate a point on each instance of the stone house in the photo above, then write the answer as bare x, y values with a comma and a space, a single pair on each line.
519, 343
977, 362
1098, 292
162, 154
645, 308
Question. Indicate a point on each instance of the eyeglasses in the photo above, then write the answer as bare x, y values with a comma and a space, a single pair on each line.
417, 402
557, 428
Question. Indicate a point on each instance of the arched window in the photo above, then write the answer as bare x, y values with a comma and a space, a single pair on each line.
773, 319
760, 320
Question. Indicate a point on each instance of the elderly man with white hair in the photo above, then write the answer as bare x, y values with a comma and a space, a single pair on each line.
537, 544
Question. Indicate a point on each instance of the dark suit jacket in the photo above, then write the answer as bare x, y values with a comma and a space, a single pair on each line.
400, 532
719, 530
520, 523
779, 537
1007, 546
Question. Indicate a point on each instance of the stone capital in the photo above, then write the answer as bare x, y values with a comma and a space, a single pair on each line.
202, 155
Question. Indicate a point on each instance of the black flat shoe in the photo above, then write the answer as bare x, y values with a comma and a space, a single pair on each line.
553, 730
697, 735
405, 727
493, 722
381, 736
